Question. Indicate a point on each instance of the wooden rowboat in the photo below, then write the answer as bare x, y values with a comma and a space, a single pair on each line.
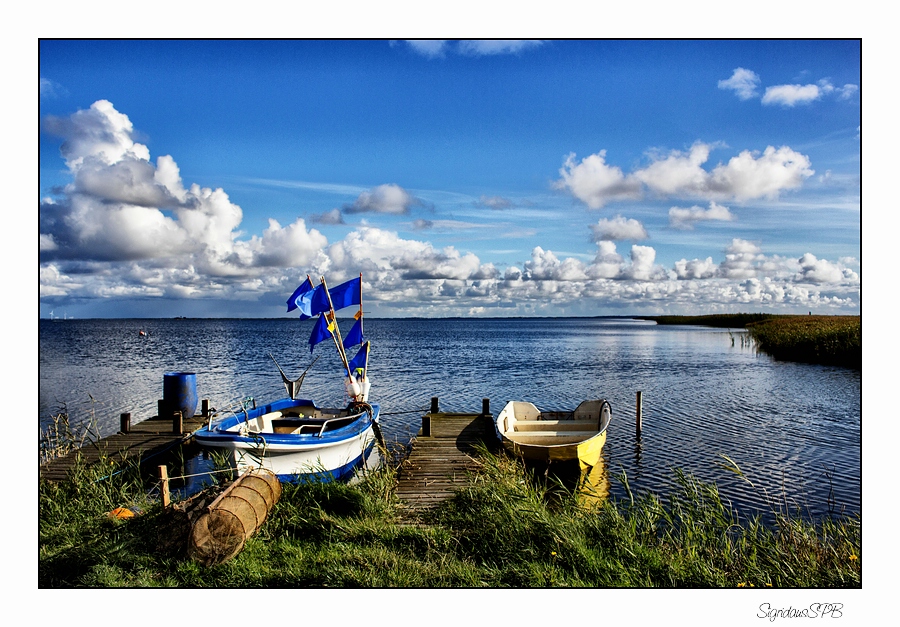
555, 436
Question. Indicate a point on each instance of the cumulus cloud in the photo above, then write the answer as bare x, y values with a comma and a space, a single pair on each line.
389, 198
127, 227
122, 208
743, 82
618, 229
790, 95
329, 217
595, 183
685, 218
749, 175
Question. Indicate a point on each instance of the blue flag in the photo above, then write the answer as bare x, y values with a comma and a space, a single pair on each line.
355, 336
362, 358
301, 297
321, 332
346, 294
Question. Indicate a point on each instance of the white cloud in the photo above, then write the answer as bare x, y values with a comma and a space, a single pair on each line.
617, 229
790, 95
595, 183
743, 82
749, 175
388, 198
696, 269
814, 270
681, 218
127, 228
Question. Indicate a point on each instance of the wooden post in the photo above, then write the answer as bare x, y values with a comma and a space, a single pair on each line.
426, 426
177, 423
125, 422
204, 407
434, 405
161, 409
164, 486
639, 413
485, 407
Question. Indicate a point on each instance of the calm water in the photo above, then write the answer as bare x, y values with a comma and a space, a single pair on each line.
794, 429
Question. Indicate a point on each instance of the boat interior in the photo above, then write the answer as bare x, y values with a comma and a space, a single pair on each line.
297, 420
526, 424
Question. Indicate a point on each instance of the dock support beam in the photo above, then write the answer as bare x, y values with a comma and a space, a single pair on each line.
639, 413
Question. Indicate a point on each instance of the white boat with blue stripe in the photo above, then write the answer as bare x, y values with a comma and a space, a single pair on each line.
295, 438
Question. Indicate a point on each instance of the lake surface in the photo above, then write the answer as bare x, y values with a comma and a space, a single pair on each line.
793, 429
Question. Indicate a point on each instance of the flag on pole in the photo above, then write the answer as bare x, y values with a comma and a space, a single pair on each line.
302, 299
345, 294
321, 332
361, 360
355, 336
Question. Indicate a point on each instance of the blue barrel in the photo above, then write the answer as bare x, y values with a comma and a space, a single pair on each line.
180, 393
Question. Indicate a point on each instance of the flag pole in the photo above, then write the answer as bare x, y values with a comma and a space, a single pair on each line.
336, 336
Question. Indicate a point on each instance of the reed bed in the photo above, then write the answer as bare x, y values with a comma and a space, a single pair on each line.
509, 528
832, 340
828, 340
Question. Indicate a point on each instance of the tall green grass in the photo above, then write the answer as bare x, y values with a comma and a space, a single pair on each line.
506, 529
833, 340
830, 340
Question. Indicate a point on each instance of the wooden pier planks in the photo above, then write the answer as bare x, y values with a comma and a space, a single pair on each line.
442, 457
144, 440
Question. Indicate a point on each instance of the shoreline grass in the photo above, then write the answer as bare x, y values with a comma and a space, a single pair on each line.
504, 530
825, 340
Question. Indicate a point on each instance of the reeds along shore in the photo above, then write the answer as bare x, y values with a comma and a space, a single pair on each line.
828, 340
508, 528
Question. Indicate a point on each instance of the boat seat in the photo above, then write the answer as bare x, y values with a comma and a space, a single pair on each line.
566, 425
549, 434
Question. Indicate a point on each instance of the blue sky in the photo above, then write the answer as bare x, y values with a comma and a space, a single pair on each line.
461, 178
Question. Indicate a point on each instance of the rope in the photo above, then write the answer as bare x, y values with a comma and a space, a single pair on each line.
395, 413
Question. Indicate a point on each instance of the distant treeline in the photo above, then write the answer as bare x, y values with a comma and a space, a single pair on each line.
726, 321
831, 340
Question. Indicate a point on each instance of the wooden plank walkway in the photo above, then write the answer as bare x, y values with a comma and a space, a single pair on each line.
442, 457
144, 441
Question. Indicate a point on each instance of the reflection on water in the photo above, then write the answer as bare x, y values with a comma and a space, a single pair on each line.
793, 429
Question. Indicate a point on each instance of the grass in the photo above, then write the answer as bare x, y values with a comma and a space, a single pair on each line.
833, 340
507, 529
830, 340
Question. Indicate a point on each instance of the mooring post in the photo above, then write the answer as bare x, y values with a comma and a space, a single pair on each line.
160, 408
177, 423
125, 422
434, 405
204, 407
164, 486
485, 407
639, 413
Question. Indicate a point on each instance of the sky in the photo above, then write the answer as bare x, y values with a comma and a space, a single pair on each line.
208, 178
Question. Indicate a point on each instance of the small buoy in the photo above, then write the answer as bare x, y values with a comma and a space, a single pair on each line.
141, 333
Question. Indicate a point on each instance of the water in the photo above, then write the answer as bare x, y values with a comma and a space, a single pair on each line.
793, 429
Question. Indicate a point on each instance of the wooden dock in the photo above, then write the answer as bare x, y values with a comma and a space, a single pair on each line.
144, 441
442, 457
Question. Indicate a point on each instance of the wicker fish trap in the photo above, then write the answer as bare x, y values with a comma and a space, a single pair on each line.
228, 522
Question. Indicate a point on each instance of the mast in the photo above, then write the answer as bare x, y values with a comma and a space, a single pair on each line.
336, 336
